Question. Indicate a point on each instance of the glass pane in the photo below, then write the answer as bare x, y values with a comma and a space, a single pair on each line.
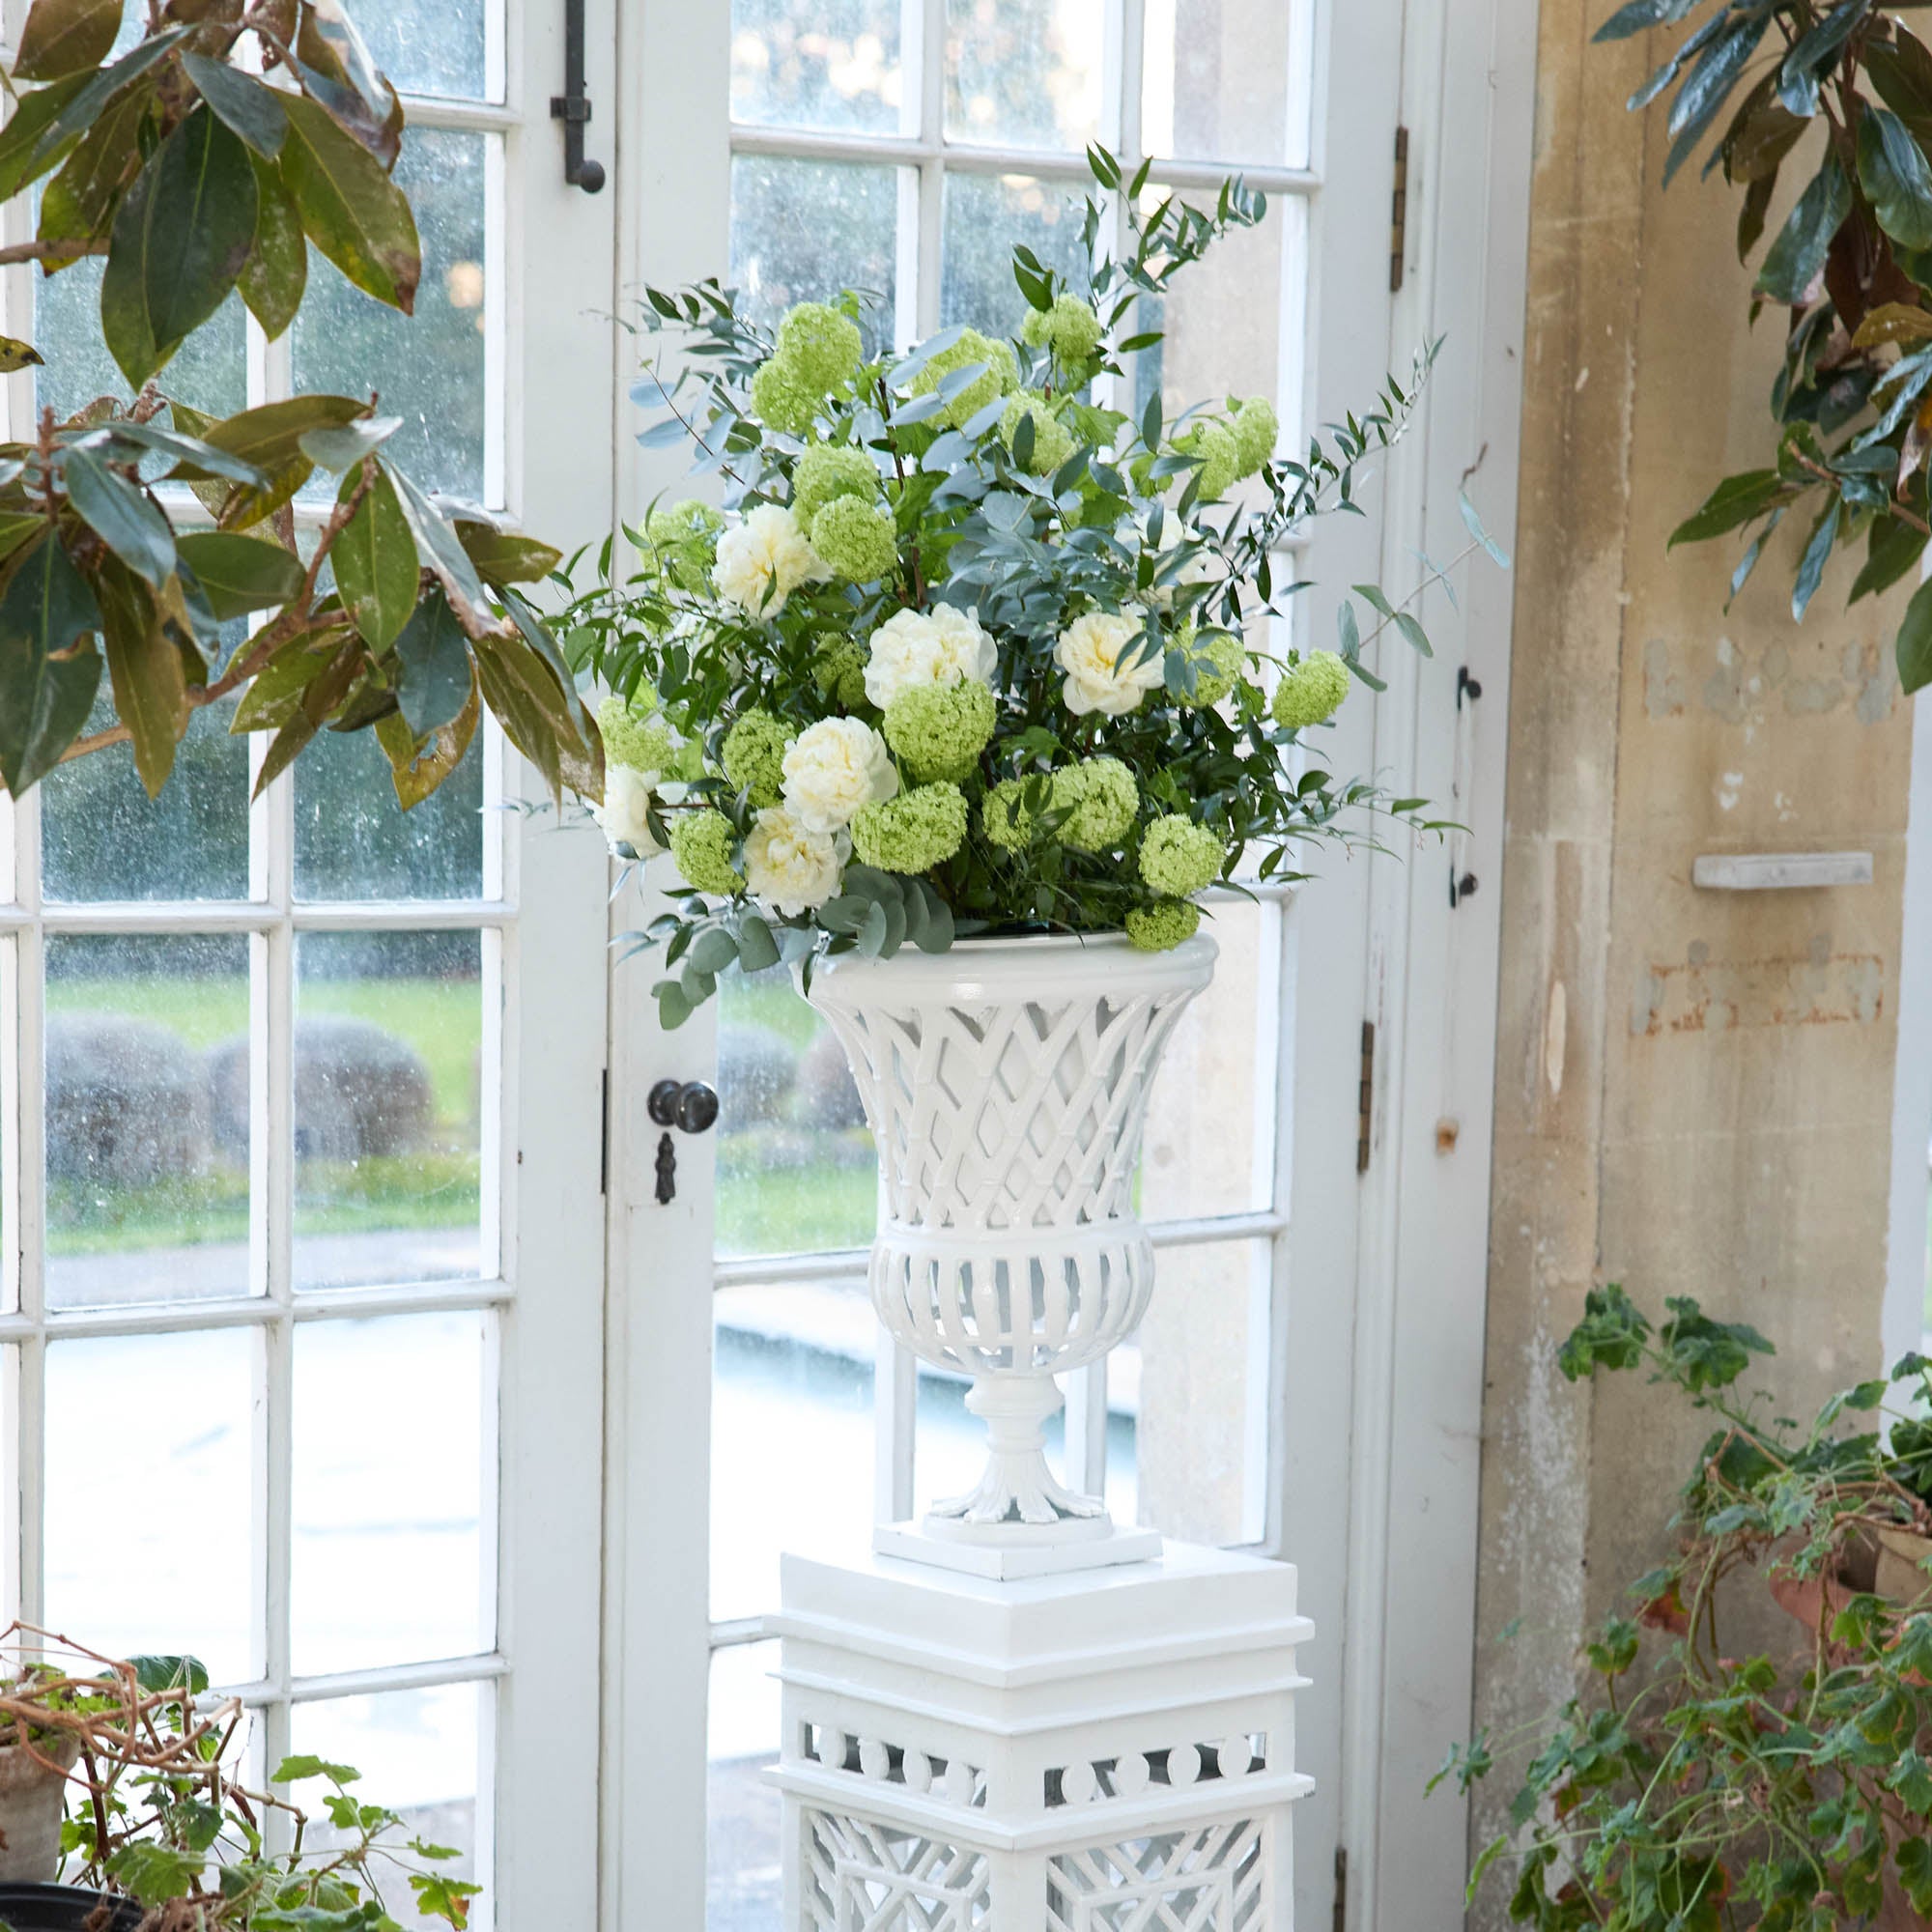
434, 46
1209, 1142
1216, 86
353, 841
10, 1155
839, 68
149, 1526
796, 1170
388, 1047
1233, 322
148, 1114
791, 1434
806, 230
744, 1889
209, 371
985, 215
389, 1446
419, 1753
427, 368
103, 838
1192, 1385
1024, 74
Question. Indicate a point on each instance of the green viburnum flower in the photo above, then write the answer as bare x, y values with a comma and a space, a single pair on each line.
631, 739
1312, 692
781, 400
999, 377
938, 730
1179, 856
1160, 929
914, 832
838, 670
1217, 662
685, 537
1052, 440
1233, 449
1069, 328
1100, 799
1255, 426
1003, 817
827, 470
820, 343
752, 755
857, 539
701, 842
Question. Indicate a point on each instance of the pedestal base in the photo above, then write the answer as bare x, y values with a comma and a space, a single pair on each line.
1075, 1753
946, 1543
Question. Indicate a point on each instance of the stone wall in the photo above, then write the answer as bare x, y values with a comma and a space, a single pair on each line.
1693, 1088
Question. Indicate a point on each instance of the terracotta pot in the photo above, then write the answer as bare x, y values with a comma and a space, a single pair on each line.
31, 1790
1901, 1578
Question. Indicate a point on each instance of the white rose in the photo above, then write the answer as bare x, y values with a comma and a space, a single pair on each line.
787, 865
1090, 652
762, 561
627, 797
918, 647
834, 769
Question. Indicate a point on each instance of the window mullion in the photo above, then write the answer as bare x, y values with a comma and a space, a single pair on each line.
932, 172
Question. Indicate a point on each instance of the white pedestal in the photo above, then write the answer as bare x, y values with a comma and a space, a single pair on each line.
1087, 1753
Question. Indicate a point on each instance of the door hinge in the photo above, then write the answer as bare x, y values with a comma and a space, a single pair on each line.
604, 1150
1341, 1888
1398, 210
1368, 1095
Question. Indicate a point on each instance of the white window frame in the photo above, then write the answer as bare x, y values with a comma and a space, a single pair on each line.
546, 363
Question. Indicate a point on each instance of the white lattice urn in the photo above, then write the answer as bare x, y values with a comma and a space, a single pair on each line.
1007, 1085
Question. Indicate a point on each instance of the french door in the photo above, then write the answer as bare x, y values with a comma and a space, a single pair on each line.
301, 1329
901, 146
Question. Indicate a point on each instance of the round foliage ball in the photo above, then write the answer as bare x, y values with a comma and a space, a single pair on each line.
1179, 856
701, 842
752, 755
1100, 800
1312, 692
857, 540
1161, 927
938, 730
914, 832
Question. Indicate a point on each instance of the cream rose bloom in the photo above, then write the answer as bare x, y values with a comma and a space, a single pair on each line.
789, 865
834, 769
940, 647
762, 561
627, 797
1090, 652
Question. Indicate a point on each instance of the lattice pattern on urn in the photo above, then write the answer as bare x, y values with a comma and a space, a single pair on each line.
861, 1876
1007, 1085
1211, 1880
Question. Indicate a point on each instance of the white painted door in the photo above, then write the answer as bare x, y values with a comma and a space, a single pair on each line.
300, 1321
796, 147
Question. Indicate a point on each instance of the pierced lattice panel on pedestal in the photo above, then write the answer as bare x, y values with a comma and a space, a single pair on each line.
861, 1876
1213, 1879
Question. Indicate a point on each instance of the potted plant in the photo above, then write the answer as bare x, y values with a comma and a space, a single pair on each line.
161, 1835
1702, 1783
973, 656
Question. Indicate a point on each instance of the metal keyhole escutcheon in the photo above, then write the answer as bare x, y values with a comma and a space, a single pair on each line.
689, 1105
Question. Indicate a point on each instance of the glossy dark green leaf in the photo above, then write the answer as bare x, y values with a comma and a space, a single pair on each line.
1893, 549
378, 570
1901, 71
1634, 15
1708, 86
1795, 259
269, 436
65, 37
240, 574
537, 635
1735, 502
440, 547
79, 109
1687, 48
21, 159
120, 515
349, 207
275, 273
1817, 552
246, 106
340, 449
1895, 176
149, 687
506, 556
46, 685
336, 71
78, 204
200, 225
433, 656
1915, 641
187, 451
1816, 51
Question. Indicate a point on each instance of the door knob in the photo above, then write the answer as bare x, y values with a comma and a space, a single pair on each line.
689, 1105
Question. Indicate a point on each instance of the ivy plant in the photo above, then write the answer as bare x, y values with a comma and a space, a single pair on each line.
229, 141
1840, 97
1703, 1782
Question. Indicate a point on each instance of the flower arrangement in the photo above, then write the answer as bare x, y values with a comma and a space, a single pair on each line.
971, 650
